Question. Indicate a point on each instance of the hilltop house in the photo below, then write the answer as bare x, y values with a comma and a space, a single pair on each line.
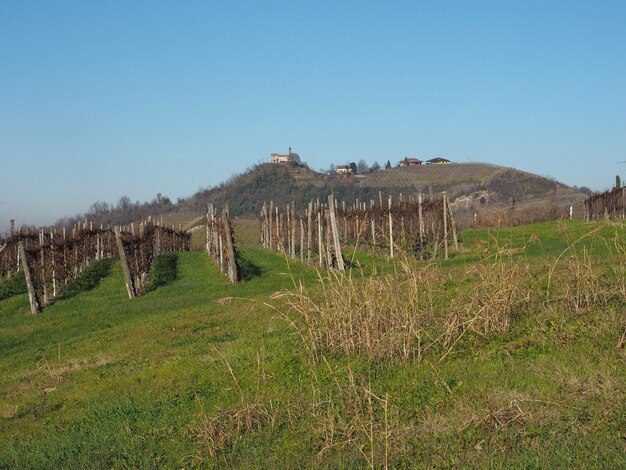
409, 162
343, 170
291, 157
437, 161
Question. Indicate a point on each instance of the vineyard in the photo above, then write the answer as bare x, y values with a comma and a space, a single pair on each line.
220, 245
516, 344
610, 204
51, 260
422, 226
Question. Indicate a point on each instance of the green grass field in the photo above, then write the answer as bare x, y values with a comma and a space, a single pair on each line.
201, 373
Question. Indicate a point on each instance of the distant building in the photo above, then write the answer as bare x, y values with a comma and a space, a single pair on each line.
437, 161
290, 157
343, 170
410, 162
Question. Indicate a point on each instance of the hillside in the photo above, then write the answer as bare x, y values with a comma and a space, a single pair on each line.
473, 188
200, 373
470, 185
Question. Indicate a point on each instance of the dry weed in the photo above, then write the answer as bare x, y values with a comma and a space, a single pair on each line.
354, 416
581, 284
497, 287
382, 316
221, 432
217, 434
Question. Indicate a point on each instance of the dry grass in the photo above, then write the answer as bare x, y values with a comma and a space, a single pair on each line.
497, 287
219, 433
381, 316
399, 317
352, 415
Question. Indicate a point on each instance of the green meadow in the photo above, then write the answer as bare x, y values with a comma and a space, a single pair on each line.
518, 360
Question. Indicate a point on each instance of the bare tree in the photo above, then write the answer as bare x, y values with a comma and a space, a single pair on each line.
362, 167
99, 208
123, 203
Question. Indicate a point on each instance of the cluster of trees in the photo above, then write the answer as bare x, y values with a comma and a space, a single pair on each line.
122, 212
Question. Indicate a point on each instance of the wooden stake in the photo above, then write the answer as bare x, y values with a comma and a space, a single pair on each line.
301, 240
43, 267
230, 249
122, 254
293, 230
453, 226
319, 236
390, 230
309, 230
373, 223
270, 224
32, 295
333, 225
445, 224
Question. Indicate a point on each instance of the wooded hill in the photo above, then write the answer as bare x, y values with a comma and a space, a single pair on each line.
472, 188
468, 184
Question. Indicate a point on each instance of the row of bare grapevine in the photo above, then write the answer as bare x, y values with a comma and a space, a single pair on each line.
51, 259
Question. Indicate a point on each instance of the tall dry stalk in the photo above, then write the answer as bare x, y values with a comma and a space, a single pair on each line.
382, 316
487, 298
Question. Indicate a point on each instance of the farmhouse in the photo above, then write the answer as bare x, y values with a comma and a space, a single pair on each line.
437, 161
290, 157
343, 170
409, 162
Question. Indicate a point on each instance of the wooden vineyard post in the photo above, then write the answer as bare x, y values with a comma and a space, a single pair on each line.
269, 225
293, 230
335, 233
279, 239
220, 249
209, 228
301, 240
373, 224
43, 267
319, 235
230, 249
390, 230
327, 236
455, 238
53, 257
122, 254
445, 225
264, 226
287, 232
65, 268
420, 216
32, 295
309, 230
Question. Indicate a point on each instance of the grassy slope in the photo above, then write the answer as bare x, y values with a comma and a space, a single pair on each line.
98, 380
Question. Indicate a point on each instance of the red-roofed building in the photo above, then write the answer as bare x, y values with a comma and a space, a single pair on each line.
410, 162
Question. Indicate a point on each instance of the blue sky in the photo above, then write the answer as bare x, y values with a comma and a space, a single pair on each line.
103, 99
